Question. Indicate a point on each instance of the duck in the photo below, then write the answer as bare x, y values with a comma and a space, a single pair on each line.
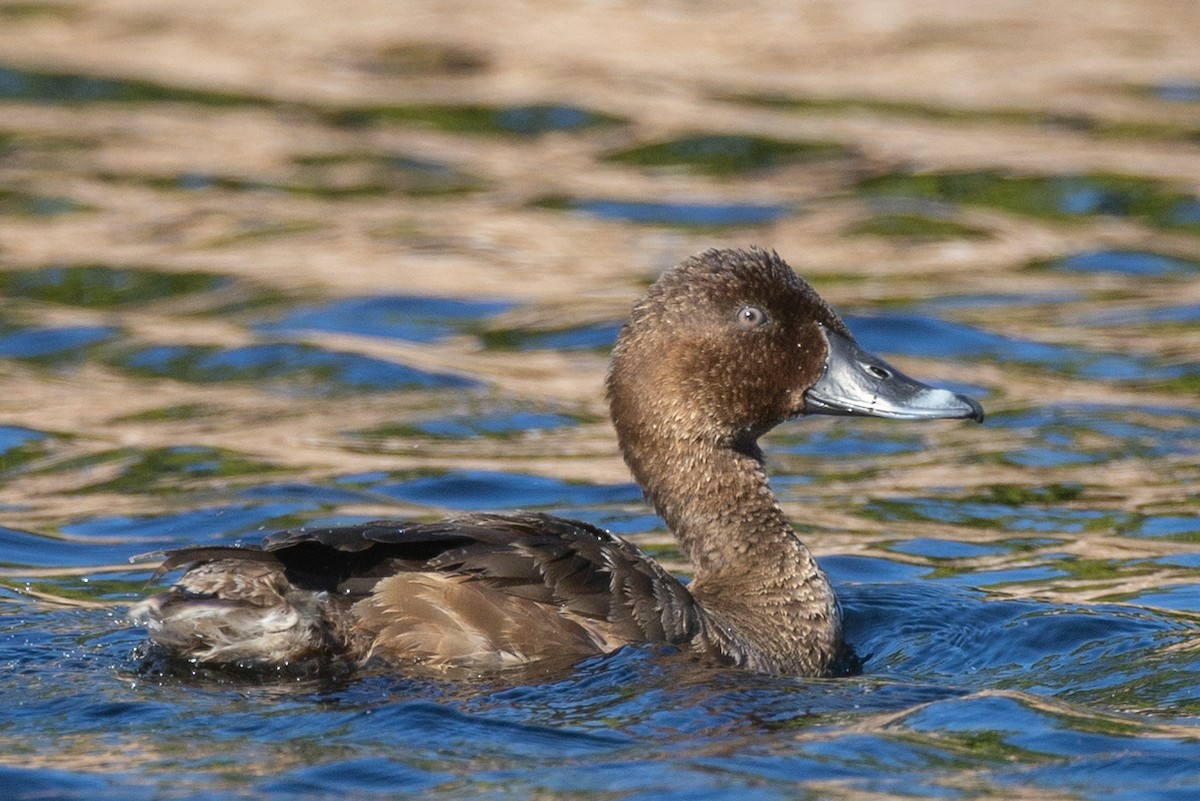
719, 350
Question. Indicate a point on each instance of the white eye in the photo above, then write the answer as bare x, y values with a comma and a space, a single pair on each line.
751, 317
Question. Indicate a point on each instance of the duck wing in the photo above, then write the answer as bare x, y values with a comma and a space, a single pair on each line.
458, 591
549, 560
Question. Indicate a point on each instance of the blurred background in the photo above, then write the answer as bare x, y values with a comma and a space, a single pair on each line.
268, 264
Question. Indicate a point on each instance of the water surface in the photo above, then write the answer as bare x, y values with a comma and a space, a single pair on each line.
382, 280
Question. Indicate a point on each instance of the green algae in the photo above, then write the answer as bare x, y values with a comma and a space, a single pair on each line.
726, 154
31, 10
17, 84
19, 203
530, 120
411, 59
159, 469
1057, 198
164, 414
98, 286
1071, 121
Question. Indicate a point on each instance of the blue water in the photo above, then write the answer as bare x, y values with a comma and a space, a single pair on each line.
478, 490
683, 213
1158, 314
1127, 262
530, 120
1017, 694
972, 678
299, 367
1178, 92
413, 318
922, 335
39, 343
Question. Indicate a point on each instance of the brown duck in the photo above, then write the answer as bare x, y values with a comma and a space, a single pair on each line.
721, 349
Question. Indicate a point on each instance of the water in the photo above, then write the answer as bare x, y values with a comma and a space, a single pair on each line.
682, 213
375, 281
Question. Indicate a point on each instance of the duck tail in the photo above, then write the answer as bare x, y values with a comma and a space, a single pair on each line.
235, 607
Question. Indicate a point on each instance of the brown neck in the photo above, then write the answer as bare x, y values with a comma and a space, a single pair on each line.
718, 503
769, 604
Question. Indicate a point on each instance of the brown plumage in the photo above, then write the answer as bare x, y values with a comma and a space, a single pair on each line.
721, 349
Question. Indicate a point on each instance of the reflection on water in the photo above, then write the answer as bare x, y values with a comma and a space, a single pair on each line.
491, 421
315, 369
334, 176
590, 336
1178, 92
417, 319
14, 202
52, 343
389, 289
101, 286
684, 213
516, 120
63, 87
1049, 197
479, 491
1127, 262
724, 154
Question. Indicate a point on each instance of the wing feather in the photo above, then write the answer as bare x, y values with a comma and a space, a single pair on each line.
606, 590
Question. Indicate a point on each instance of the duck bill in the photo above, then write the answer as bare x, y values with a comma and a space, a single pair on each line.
859, 383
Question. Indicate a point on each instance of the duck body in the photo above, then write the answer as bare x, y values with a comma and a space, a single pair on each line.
473, 592
718, 351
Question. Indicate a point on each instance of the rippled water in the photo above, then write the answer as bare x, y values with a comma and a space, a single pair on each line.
229, 309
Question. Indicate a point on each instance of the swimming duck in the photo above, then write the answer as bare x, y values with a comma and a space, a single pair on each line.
722, 348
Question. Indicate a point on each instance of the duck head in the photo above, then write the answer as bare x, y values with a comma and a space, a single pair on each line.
730, 343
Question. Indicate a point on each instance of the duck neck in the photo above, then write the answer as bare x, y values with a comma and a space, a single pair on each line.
716, 499
769, 606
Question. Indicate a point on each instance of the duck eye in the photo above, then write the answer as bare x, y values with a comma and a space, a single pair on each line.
751, 317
